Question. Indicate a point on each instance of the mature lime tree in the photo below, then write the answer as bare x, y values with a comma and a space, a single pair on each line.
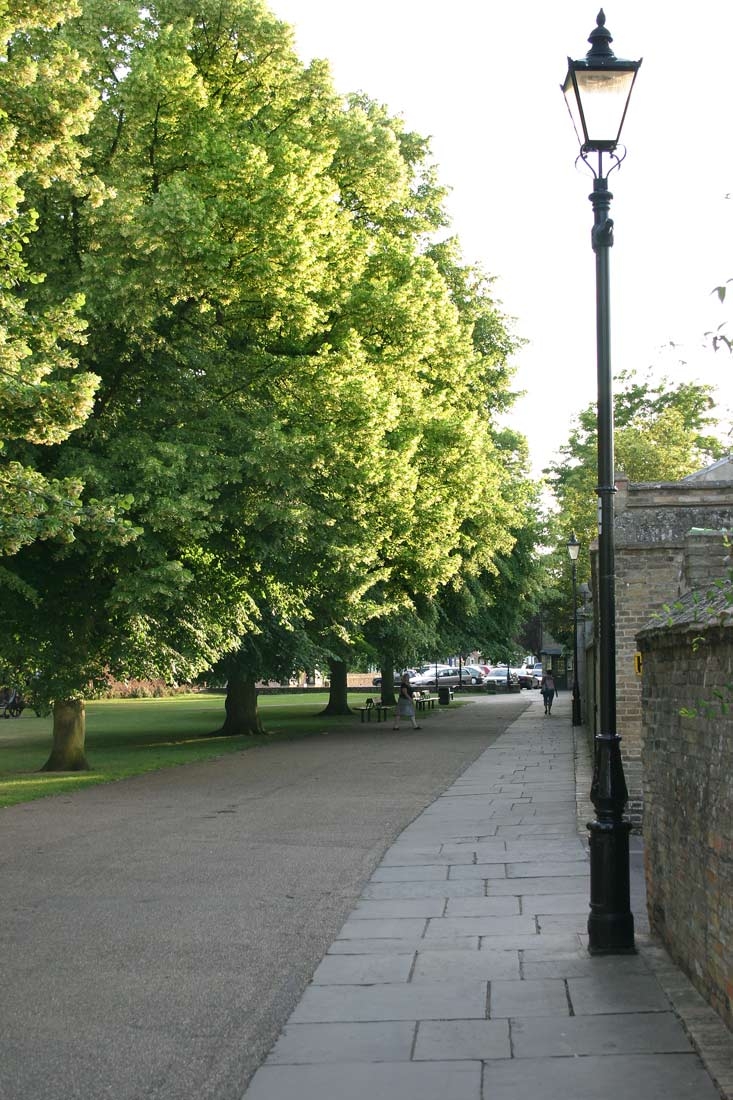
420, 353
287, 394
468, 472
485, 606
663, 432
208, 274
451, 514
45, 104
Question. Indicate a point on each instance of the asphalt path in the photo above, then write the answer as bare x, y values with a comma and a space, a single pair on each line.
156, 933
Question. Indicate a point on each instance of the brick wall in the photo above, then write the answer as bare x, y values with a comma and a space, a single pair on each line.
688, 794
646, 578
664, 540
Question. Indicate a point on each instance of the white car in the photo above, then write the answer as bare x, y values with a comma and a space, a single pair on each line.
498, 676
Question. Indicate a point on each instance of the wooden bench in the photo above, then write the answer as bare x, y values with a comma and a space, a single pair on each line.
12, 706
424, 700
370, 708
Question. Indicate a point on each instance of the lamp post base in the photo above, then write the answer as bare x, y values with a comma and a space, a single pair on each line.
611, 922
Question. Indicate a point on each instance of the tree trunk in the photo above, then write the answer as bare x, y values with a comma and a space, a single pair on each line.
338, 698
69, 732
242, 714
388, 698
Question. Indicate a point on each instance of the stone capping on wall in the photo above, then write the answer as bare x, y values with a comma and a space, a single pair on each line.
705, 609
647, 513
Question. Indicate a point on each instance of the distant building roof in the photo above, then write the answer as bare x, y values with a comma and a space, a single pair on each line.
722, 470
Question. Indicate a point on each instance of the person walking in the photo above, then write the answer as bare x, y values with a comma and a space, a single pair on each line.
548, 689
405, 704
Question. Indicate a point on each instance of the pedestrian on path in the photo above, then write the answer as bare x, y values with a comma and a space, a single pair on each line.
405, 704
548, 689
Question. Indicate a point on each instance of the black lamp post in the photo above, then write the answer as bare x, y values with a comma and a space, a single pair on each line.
573, 551
597, 90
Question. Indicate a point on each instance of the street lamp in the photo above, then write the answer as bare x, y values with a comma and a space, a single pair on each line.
597, 90
573, 551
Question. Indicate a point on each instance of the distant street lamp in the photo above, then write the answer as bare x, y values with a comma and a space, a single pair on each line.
573, 551
597, 90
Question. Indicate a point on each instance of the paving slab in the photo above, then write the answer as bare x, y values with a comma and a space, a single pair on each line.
410, 945
647, 1076
547, 867
423, 873
632, 1033
424, 1001
617, 993
440, 966
301, 1044
503, 906
363, 969
482, 851
356, 928
480, 926
478, 870
468, 888
423, 859
360, 1081
548, 904
400, 907
581, 965
536, 828
439, 1040
544, 944
547, 997
559, 922
572, 884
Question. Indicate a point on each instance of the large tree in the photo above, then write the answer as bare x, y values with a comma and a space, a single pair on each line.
218, 251
386, 443
45, 104
293, 381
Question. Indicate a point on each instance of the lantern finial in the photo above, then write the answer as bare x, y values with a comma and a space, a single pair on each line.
600, 39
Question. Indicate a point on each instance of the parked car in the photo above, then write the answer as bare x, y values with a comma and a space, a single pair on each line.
525, 675
411, 672
498, 676
474, 673
537, 675
448, 676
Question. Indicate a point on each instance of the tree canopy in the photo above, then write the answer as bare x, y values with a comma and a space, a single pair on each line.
296, 381
45, 105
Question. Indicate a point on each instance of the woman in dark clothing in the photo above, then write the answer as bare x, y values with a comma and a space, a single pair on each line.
548, 689
405, 704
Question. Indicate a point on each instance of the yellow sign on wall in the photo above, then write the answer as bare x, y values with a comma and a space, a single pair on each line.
637, 663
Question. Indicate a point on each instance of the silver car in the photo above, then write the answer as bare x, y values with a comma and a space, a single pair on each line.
448, 677
498, 676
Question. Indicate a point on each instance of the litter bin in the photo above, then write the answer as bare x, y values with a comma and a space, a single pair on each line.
444, 696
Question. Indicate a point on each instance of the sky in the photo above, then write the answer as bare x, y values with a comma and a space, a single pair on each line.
482, 79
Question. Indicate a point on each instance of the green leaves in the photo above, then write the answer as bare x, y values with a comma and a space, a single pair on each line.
293, 387
663, 432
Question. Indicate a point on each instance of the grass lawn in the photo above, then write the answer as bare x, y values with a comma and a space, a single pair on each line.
127, 737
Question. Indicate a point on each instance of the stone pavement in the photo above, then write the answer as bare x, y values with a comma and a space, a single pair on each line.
463, 973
